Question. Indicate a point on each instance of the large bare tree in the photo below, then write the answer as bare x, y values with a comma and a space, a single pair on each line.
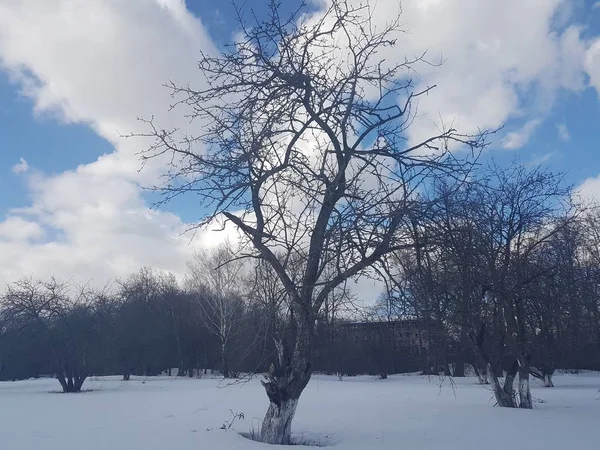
305, 149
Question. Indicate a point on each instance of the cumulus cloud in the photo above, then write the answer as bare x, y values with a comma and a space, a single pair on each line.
21, 167
592, 64
589, 190
493, 51
103, 63
518, 139
19, 229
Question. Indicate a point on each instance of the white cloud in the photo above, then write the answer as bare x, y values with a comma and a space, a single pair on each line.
18, 229
518, 139
494, 52
592, 64
21, 167
589, 190
102, 64
563, 132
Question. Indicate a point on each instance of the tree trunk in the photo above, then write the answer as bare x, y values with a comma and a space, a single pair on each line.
70, 383
548, 380
277, 425
509, 383
484, 378
447, 372
481, 372
224, 362
505, 396
126, 376
284, 386
78, 383
459, 369
544, 374
525, 400
61, 379
226, 373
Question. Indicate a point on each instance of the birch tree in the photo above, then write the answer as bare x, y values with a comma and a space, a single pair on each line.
213, 279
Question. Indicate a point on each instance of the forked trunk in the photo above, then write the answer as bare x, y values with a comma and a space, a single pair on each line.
79, 383
505, 396
70, 383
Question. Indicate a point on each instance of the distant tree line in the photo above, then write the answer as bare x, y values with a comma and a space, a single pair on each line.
224, 317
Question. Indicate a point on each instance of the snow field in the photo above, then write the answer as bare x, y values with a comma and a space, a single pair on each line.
359, 413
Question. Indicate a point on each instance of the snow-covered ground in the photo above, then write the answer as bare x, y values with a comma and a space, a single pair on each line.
402, 412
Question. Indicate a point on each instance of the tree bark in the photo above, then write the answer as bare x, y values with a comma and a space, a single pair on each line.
78, 383
277, 425
525, 400
224, 362
505, 396
70, 383
284, 386
61, 379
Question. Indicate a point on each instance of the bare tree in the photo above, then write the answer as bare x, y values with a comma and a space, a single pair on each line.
486, 267
306, 150
214, 278
525, 208
503, 220
65, 323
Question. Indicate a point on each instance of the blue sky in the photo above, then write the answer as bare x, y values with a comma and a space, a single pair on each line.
73, 76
